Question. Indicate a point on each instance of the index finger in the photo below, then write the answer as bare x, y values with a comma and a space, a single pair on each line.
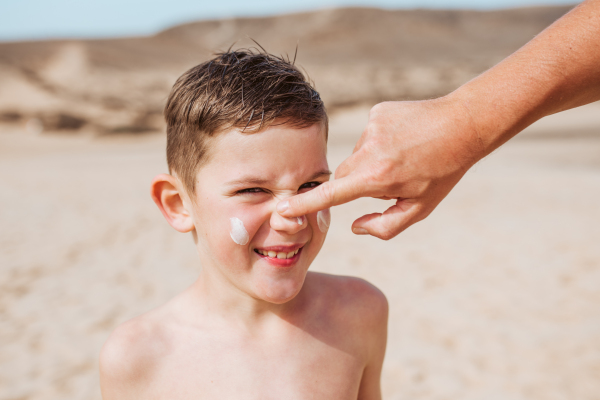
327, 194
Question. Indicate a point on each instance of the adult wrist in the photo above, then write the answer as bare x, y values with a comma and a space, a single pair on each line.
469, 134
493, 112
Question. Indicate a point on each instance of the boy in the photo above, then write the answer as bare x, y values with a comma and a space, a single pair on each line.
244, 131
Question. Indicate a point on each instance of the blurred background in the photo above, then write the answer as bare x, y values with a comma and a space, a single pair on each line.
495, 296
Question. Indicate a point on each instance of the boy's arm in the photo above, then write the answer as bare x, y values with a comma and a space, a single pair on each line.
375, 320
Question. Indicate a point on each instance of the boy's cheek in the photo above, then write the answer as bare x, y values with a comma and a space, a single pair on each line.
319, 226
239, 225
226, 215
324, 220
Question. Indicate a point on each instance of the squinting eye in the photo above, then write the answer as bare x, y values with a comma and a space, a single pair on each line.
310, 185
250, 191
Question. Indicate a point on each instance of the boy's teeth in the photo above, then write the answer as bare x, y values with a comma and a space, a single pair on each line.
280, 255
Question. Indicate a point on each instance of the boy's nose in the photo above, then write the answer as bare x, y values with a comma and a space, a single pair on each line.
287, 225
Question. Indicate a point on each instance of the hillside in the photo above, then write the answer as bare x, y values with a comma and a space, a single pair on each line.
354, 55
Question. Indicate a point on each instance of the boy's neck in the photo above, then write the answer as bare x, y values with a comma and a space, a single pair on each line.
214, 294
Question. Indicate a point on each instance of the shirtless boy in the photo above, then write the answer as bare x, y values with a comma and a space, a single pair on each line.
244, 131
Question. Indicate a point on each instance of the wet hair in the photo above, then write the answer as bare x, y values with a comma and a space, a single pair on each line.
245, 89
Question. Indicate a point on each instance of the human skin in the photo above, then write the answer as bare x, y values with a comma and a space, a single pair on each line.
416, 152
249, 327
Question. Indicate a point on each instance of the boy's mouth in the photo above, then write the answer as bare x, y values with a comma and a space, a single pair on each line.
279, 256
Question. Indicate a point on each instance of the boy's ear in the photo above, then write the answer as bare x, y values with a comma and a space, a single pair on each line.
165, 191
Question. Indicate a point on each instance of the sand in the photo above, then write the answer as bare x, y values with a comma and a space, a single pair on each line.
495, 296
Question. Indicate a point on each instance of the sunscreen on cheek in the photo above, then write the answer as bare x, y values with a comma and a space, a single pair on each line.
238, 231
323, 220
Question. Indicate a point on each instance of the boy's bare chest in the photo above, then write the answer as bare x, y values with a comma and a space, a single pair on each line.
300, 367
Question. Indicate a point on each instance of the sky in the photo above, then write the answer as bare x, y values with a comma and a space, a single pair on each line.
48, 19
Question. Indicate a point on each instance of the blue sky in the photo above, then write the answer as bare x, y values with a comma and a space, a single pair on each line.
45, 19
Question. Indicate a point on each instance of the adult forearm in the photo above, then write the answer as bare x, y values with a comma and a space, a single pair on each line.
559, 69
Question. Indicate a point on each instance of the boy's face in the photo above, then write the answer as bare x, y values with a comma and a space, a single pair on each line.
237, 191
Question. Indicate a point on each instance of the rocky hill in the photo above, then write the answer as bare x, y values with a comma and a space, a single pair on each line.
354, 55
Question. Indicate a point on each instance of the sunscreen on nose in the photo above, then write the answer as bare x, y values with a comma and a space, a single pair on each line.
238, 233
323, 220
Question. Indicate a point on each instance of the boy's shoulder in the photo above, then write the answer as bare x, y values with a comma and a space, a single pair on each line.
349, 300
133, 350
346, 290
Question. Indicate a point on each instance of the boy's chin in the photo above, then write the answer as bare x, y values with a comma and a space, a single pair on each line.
278, 292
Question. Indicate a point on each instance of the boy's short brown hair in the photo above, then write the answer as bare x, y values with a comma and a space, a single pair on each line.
244, 89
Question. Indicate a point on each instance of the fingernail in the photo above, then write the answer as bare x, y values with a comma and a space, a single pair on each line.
283, 206
360, 231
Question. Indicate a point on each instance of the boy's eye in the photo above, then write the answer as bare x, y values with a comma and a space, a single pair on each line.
310, 185
250, 191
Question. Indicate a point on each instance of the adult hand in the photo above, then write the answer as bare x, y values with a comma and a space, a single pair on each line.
414, 152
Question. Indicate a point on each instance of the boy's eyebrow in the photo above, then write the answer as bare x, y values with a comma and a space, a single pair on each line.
321, 173
249, 180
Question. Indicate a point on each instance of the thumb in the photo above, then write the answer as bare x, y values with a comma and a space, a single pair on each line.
391, 222
328, 194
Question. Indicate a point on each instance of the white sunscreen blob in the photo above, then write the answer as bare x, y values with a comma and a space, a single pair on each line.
323, 220
300, 220
238, 231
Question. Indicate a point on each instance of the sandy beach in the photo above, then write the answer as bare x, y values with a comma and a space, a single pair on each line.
494, 296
